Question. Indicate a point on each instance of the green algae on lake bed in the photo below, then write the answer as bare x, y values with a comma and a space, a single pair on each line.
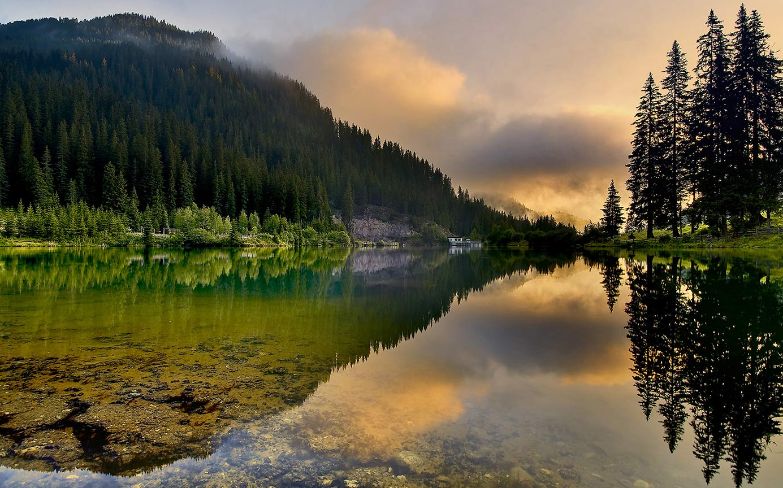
325, 368
117, 361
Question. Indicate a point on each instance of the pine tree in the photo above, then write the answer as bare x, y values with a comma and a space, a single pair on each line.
62, 160
612, 220
645, 182
29, 170
755, 119
114, 193
767, 127
611, 278
84, 163
347, 206
709, 129
185, 186
674, 111
73, 193
44, 188
133, 211
3, 179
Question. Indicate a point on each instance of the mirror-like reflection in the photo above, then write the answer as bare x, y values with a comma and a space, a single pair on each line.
706, 344
116, 361
389, 368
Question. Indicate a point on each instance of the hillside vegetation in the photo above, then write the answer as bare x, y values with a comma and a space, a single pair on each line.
138, 118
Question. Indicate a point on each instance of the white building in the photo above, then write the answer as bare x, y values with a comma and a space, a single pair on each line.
463, 241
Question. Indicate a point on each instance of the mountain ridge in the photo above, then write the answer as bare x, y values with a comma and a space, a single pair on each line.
128, 105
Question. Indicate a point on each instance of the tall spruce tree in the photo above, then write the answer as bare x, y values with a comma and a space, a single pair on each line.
644, 166
612, 220
674, 124
722, 142
755, 120
115, 196
709, 129
3, 179
347, 206
769, 124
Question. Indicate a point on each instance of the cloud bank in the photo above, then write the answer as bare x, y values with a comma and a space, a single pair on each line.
376, 79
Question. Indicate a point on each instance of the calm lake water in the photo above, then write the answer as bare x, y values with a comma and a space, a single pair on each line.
389, 368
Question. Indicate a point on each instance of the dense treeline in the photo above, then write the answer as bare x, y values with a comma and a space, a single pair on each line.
711, 153
79, 224
127, 113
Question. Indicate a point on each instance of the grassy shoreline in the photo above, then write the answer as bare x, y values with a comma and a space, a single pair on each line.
665, 242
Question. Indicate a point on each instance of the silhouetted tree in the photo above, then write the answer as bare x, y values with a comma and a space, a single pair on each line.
612, 277
612, 220
645, 166
674, 140
709, 128
719, 350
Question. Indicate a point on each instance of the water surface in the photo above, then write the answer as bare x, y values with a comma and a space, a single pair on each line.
390, 368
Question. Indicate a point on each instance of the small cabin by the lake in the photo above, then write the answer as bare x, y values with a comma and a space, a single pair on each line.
463, 241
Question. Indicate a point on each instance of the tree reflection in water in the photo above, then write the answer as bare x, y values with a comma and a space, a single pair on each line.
706, 339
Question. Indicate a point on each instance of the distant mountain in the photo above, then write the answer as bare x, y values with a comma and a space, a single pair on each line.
127, 110
518, 209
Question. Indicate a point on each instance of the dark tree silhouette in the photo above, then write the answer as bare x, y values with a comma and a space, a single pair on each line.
709, 336
721, 141
674, 139
709, 129
612, 277
612, 220
645, 181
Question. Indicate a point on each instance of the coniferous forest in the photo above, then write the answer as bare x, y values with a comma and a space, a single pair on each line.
708, 143
126, 122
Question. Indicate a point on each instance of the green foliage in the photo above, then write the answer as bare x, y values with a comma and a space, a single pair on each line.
72, 224
80, 224
543, 233
431, 234
169, 123
593, 233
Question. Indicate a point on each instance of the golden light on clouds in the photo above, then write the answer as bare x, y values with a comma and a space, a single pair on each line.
416, 396
528, 99
377, 80
565, 315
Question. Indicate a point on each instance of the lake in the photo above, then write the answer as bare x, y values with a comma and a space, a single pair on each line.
389, 368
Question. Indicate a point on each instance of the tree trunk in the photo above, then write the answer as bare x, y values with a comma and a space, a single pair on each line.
649, 229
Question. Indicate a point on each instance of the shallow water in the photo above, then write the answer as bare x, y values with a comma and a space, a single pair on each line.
389, 368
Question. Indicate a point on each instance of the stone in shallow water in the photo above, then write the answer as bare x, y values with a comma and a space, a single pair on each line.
30, 412
518, 473
568, 474
416, 463
53, 446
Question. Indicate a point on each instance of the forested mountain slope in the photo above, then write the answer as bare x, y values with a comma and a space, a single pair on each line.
127, 111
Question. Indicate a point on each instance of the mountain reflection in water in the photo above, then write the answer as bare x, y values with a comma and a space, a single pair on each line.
334, 377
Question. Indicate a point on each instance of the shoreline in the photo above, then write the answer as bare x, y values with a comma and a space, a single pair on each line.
760, 242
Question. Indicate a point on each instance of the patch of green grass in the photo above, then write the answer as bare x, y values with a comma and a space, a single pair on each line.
699, 240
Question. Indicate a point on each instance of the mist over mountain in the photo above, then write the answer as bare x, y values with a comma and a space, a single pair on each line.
516, 208
131, 108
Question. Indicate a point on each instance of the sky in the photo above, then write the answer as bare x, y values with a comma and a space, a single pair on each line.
529, 100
